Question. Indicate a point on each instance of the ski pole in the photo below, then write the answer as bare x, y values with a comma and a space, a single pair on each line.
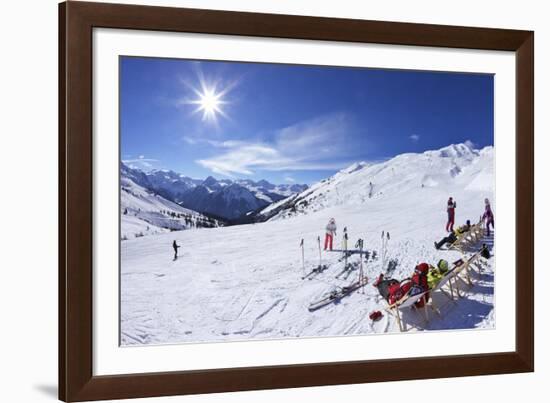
382, 252
319, 243
303, 263
360, 244
345, 248
386, 247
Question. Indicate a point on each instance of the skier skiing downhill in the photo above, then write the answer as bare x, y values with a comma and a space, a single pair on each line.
330, 233
451, 205
488, 217
175, 246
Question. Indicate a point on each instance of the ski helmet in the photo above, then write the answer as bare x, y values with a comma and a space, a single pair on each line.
443, 265
421, 268
486, 201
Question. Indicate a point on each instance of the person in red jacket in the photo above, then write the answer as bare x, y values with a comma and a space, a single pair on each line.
393, 290
330, 233
419, 281
451, 205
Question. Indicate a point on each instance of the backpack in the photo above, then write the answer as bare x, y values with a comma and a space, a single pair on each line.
394, 292
397, 290
420, 276
420, 283
485, 252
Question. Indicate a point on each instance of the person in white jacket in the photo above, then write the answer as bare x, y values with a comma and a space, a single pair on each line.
330, 233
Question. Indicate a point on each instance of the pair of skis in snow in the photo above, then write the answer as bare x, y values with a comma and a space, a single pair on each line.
336, 295
319, 269
351, 267
359, 249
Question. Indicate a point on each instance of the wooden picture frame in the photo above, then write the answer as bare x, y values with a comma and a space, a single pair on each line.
76, 23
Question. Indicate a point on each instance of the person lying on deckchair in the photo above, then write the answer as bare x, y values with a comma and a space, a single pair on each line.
435, 274
453, 236
394, 290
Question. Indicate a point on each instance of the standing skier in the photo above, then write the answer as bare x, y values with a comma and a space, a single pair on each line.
488, 216
175, 246
330, 233
451, 205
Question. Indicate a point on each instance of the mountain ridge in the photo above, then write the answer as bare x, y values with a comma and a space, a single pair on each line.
225, 198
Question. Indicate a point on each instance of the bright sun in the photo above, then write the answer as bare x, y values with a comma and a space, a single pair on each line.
209, 101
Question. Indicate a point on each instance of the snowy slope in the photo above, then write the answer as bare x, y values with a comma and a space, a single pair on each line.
244, 282
437, 172
145, 213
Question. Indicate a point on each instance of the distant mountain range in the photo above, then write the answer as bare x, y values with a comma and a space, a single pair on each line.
226, 199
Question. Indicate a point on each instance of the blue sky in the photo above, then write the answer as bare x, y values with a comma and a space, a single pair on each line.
288, 123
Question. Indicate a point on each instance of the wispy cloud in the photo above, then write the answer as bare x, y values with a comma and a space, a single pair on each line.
194, 140
140, 162
190, 140
289, 179
414, 137
317, 144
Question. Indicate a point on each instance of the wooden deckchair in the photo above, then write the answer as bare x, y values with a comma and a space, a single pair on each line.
407, 301
445, 280
468, 238
462, 242
477, 230
465, 269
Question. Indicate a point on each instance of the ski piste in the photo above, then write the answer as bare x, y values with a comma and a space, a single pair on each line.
337, 295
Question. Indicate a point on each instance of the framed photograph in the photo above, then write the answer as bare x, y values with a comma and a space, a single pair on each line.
253, 201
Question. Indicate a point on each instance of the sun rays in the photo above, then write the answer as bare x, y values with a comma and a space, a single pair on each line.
209, 98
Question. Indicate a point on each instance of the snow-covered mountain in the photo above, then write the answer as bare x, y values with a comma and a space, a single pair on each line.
229, 201
171, 184
438, 172
144, 212
223, 198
